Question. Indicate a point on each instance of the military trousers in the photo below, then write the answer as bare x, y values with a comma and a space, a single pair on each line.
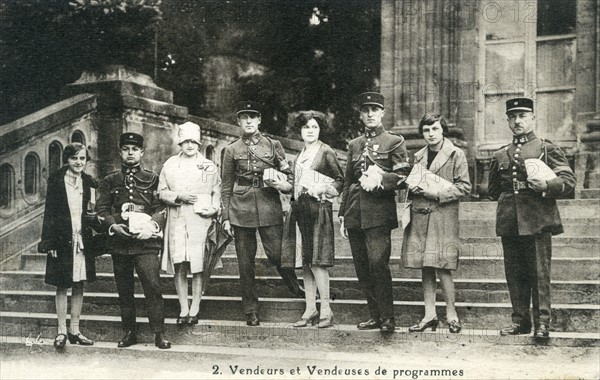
147, 267
371, 249
527, 266
245, 248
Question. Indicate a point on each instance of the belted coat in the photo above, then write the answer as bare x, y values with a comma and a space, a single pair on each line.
363, 209
525, 211
431, 239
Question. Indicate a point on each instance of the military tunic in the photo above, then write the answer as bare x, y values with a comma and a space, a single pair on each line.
370, 216
134, 189
526, 220
250, 205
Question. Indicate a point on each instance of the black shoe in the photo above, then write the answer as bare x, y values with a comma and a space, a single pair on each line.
60, 341
129, 339
252, 319
422, 326
79, 339
192, 319
182, 321
371, 324
541, 332
515, 329
454, 326
161, 342
388, 325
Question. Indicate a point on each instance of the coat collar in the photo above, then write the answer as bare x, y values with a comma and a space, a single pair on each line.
374, 132
442, 157
525, 137
252, 140
201, 161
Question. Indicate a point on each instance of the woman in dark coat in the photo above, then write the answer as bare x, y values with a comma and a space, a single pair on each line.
318, 179
64, 238
431, 241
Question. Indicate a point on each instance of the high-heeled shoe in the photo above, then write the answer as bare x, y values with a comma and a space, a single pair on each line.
326, 322
454, 326
60, 341
421, 326
79, 338
182, 321
192, 319
303, 322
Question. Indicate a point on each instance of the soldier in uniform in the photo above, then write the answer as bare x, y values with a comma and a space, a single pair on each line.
121, 193
368, 214
527, 216
251, 203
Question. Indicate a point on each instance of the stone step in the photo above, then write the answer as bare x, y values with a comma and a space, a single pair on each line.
584, 227
492, 266
568, 208
223, 336
406, 289
565, 317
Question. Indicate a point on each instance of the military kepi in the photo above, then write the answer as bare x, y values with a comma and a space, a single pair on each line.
131, 138
247, 106
519, 104
373, 98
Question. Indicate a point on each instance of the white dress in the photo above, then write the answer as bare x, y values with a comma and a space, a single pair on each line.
74, 188
186, 230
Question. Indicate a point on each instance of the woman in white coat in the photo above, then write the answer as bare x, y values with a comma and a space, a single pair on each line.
191, 187
431, 241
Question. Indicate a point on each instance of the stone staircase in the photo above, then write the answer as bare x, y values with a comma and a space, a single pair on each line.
27, 304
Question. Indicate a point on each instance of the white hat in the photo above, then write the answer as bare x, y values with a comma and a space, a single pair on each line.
188, 131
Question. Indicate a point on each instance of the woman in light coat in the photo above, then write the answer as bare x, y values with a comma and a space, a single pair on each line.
66, 234
191, 187
431, 241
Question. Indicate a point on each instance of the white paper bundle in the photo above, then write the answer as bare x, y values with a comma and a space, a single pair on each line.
273, 175
311, 178
426, 180
538, 170
204, 202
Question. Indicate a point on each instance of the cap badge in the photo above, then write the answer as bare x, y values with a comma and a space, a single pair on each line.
369, 97
516, 103
248, 106
130, 136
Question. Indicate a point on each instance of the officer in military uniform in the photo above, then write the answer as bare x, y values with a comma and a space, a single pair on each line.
123, 196
527, 216
251, 203
368, 214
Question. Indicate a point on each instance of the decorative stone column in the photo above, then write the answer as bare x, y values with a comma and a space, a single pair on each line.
130, 102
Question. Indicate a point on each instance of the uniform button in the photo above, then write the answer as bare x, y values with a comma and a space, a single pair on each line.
130, 197
514, 168
514, 180
514, 173
374, 153
368, 139
131, 190
517, 150
516, 191
519, 145
516, 154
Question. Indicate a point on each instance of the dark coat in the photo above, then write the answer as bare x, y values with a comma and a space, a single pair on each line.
57, 231
247, 202
527, 212
130, 185
431, 239
362, 209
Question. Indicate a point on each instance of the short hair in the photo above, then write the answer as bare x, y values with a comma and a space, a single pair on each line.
72, 149
430, 118
303, 118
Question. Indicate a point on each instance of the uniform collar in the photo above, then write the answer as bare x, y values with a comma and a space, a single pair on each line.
130, 169
523, 138
374, 132
252, 140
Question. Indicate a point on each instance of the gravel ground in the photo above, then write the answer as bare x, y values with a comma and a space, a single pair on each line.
413, 360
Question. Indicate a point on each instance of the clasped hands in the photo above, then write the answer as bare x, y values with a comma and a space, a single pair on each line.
538, 184
190, 198
123, 231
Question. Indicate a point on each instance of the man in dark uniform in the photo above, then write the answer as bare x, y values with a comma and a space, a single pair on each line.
367, 213
251, 203
123, 196
527, 216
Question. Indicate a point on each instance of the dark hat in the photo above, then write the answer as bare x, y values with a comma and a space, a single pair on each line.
247, 106
374, 98
131, 138
519, 104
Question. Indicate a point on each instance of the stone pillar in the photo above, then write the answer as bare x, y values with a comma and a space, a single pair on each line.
130, 102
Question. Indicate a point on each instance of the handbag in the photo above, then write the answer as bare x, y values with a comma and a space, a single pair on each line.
288, 244
323, 236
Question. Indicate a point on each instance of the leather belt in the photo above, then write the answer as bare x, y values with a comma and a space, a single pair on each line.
132, 207
254, 181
